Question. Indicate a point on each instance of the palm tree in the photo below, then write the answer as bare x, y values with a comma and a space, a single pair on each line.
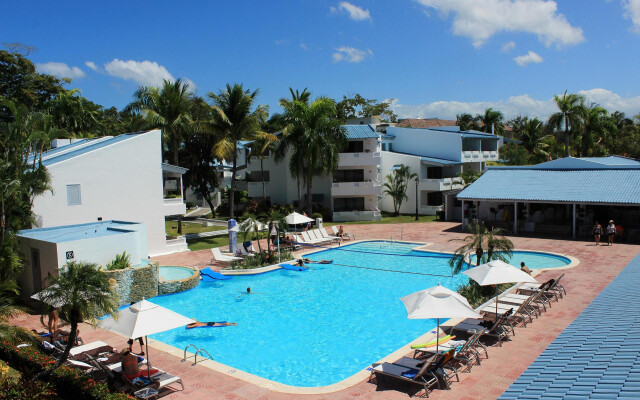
250, 229
260, 147
571, 115
397, 184
8, 310
466, 122
74, 113
530, 133
271, 218
84, 294
598, 129
492, 121
168, 108
233, 120
315, 139
480, 238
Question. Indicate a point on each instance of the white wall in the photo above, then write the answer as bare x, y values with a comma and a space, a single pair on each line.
426, 142
389, 159
122, 181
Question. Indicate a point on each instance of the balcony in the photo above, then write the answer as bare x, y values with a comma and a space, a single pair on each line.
356, 189
174, 206
475, 156
438, 185
359, 159
357, 216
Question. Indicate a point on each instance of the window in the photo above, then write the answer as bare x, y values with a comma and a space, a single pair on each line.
315, 197
256, 176
349, 175
390, 146
384, 147
354, 147
348, 204
434, 173
73, 195
434, 198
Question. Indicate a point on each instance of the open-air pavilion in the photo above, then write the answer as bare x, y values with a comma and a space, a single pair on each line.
563, 197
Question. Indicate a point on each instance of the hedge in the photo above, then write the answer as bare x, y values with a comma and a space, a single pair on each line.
68, 383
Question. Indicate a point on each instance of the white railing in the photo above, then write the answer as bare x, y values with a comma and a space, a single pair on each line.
173, 200
357, 215
356, 188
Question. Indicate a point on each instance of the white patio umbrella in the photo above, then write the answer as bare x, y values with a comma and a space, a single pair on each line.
496, 272
437, 302
142, 319
295, 218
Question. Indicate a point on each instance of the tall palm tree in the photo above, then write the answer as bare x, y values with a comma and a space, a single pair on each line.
8, 310
74, 113
466, 122
397, 184
250, 229
315, 139
531, 134
492, 121
84, 294
167, 107
260, 147
233, 120
273, 218
598, 129
498, 246
570, 115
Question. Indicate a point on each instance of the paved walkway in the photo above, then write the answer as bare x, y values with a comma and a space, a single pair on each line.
599, 266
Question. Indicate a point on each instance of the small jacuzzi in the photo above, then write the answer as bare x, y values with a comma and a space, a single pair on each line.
174, 279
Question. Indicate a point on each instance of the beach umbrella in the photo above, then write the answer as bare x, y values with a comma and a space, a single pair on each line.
144, 318
437, 302
295, 218
496, 272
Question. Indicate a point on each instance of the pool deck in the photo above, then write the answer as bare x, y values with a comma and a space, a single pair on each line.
599, 265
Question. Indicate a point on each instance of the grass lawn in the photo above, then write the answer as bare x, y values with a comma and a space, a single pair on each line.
388, 218
189, 227
208, 243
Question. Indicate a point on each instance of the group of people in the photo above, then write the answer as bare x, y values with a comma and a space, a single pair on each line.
610, 231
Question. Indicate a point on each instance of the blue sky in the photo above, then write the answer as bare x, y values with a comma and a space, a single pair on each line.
436, 58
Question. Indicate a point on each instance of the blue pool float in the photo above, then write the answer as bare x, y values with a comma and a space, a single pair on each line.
292, 267
209, 275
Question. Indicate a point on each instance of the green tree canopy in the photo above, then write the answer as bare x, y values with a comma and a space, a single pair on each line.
359, 107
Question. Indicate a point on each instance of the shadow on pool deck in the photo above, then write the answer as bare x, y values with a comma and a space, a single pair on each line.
598, 266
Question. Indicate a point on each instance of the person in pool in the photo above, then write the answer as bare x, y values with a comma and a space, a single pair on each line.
199, 324
309, 261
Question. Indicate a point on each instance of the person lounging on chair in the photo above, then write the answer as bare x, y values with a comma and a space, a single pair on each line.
443, 368
421, 374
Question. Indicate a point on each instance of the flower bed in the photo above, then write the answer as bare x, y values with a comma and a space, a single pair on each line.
67, 382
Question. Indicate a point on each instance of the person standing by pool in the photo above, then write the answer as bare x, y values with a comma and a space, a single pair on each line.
597, 231
524, 268
52, 323
611, 232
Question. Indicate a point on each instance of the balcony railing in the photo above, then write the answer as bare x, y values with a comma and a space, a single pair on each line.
358, 159
357, 215
356, 188
174, 206
437, 185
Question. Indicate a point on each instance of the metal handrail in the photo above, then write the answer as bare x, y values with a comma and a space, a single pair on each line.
195, 360
184, 358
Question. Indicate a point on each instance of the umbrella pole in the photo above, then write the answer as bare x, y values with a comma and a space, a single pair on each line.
438, 336
146, 343
496, 302
278, 231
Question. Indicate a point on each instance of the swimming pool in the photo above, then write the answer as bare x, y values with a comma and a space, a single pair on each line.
535, 260
173, 273
317, 327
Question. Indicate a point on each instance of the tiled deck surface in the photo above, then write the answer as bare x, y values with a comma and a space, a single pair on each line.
597, 355
598, 267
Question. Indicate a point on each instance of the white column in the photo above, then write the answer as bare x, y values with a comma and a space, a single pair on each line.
462, 219
515, 218
573, 222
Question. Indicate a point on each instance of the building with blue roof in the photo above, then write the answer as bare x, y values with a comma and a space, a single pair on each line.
564, 196
118, 178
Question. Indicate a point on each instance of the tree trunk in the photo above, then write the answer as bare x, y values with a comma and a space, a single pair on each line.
233, 179
264, 191
211, 207
175, 144
299, 192
566, 138
309, 202
479, 253
179, 225
65, 355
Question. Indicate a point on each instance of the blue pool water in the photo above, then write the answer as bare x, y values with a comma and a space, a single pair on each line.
170, 273
315, 327
535, 260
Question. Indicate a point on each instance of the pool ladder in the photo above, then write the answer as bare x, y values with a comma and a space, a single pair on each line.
391, 239
195, 356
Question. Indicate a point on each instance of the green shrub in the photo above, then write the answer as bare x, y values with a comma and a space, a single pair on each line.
260, 260
67, 382
23, 389
477, 294
121, 261
190, 204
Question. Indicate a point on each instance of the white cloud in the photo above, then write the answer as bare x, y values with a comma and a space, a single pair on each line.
91, 65
479, 20
192, 86
515, 105
632, 12
530, 57
509, 46
350, 54
61, 70
303, 46
146, 73
355, 13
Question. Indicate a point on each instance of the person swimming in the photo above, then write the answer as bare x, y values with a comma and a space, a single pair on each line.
199, 324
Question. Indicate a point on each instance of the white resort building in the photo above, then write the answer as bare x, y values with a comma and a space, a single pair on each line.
119, 178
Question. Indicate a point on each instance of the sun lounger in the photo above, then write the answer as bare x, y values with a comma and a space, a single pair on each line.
499, 330
325, 235
87, 347
309, 240
443, 368
244, 252
526, 308
424, 376
345, 236
466, 354
217, 255
554, 288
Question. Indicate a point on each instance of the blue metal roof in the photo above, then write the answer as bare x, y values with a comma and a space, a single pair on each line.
360, 131
68, 233
597, 355
607, 186
611, 162
78, 148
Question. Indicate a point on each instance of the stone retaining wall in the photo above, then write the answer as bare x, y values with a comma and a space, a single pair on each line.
168, 287
132, 284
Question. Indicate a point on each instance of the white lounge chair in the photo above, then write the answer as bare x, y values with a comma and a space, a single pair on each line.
244, 252
309, 240
217, 255
325, 235
86, 347
345, 236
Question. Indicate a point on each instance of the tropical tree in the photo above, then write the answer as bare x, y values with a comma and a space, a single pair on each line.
273, 218
260, 148
168, 108
570, 115
8, 310
74, 114
83, 294
481, 241
598, 131
531, 134
314, 137
233, 119
492, 121
466, 122
250, 228
396, 186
